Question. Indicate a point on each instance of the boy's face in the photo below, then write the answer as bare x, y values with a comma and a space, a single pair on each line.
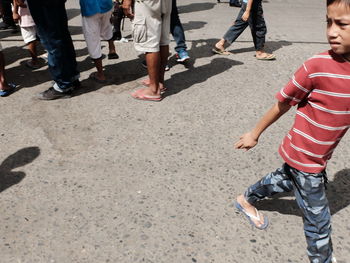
338, 28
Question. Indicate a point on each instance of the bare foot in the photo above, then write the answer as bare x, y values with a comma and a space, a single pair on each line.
219, 46
145, 94
147, 82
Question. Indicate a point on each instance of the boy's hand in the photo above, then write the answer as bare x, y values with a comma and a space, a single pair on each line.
245, 16
246, 141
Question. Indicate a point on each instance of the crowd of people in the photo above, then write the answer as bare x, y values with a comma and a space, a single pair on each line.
101, 20
319, 88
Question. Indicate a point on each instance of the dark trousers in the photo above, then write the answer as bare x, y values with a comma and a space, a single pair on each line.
117, 19
256, 22
176, 29
7, 12
51, 21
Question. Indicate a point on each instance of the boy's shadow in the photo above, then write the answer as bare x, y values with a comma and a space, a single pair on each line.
18, 159
338, 195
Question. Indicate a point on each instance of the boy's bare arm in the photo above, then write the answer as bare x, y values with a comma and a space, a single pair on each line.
246, 14
250, 139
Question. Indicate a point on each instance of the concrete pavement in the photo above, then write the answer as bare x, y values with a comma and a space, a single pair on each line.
102, 177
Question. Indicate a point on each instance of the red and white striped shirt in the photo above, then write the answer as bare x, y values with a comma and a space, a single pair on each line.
321, 88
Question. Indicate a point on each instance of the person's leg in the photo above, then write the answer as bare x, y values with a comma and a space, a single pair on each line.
51, 22
258, 30
30, 38
153, 60
312, 200
112, 53
234, 31
7, 15
106, 33
32, 51
176, 29
273, 183
164, 54
151, 32
5, 87
117, 20
3, 82
99, 75
91, 30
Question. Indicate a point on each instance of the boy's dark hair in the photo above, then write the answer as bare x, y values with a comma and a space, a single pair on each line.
346, 2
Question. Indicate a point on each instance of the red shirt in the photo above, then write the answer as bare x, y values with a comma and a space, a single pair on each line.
321, 88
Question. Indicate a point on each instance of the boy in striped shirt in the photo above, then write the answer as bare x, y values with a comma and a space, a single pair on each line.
321, 89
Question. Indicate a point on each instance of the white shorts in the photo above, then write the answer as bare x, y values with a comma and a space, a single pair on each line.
94, 28
151, 25
0, 47
28, 34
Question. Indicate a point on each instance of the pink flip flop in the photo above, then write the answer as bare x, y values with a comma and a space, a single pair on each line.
139, 95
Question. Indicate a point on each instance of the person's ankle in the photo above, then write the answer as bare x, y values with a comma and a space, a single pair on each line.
219, 46
242, 201
100, 75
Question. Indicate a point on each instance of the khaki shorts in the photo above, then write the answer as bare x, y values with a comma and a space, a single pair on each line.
151, 25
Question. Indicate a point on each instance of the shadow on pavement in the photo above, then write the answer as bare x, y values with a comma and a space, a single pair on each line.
195, 7
18, 159
183, 80
270, 46
338, 195
72, 12
117, 74
191, 25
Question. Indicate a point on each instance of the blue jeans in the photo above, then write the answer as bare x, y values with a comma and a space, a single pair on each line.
256, 23
309, 190
51, 21
176, 29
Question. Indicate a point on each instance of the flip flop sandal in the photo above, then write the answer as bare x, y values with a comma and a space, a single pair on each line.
250, 217
113, 56
267, 57
12, 88
220, 51
140, 96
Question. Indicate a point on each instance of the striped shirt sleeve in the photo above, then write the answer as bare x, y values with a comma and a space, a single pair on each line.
297, 89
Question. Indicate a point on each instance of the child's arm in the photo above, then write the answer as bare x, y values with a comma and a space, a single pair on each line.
246, 14
250, 139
